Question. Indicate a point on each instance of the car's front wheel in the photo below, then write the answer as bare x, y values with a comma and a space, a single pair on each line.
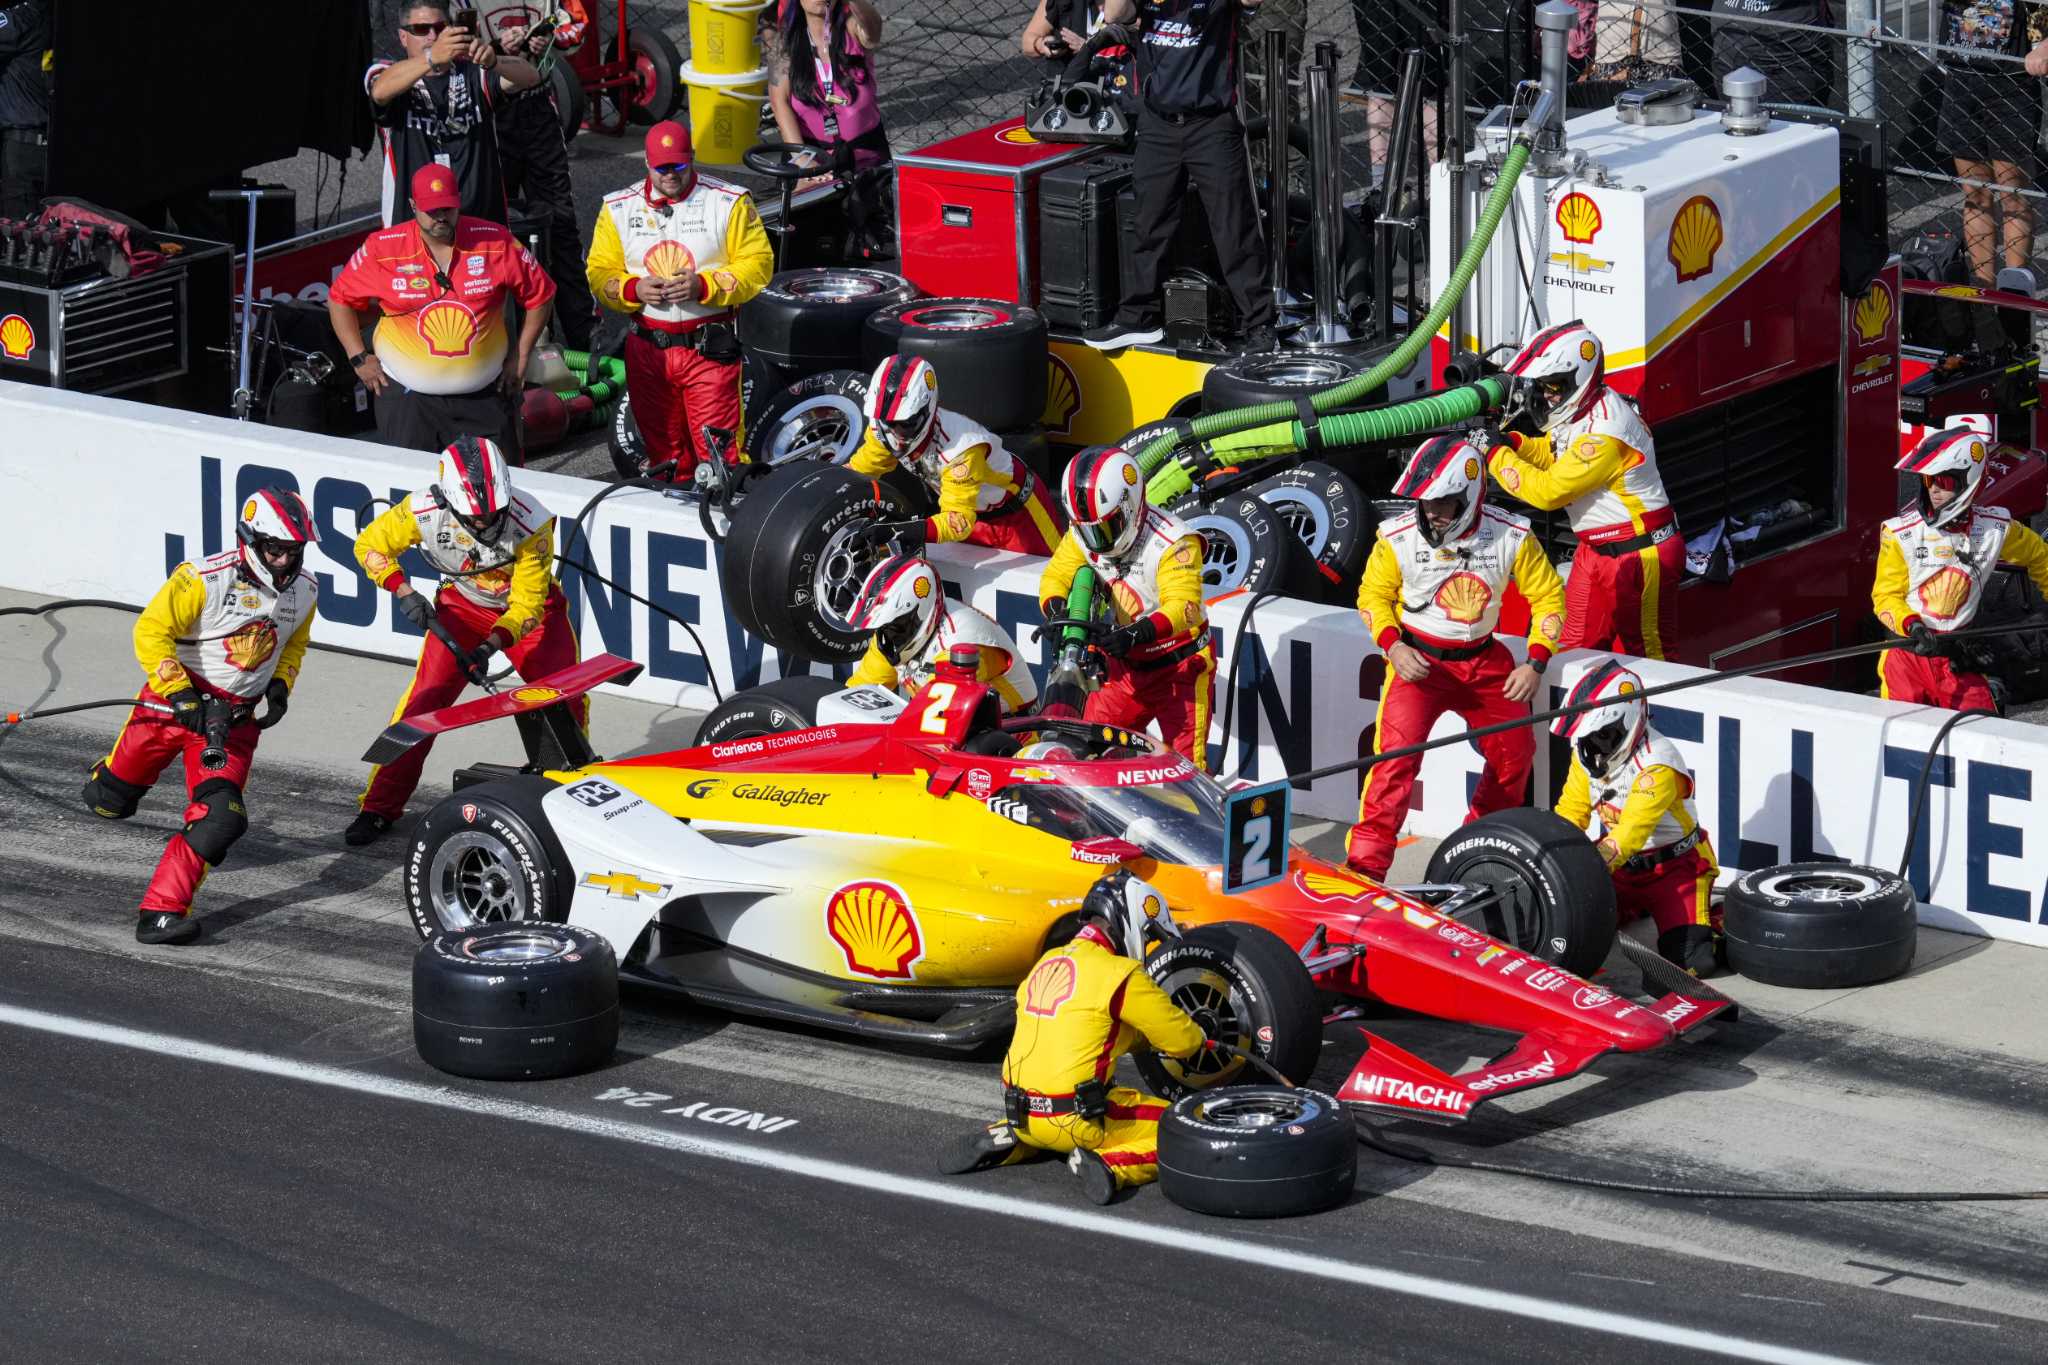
1250, 992
483, 857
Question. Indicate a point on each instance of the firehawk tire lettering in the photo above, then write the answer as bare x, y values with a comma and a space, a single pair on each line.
1556, 884
1268, 988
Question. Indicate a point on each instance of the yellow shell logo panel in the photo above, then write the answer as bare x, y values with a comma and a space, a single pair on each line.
1578, 217
251, 647
17, 337
535, 695
1329, 885
1873, 315
1049, 986
666, 260
1943, 595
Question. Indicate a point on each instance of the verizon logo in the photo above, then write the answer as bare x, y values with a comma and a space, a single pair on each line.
1535, 1071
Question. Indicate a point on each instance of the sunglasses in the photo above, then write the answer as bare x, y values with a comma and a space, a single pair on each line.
673, 168
424, 30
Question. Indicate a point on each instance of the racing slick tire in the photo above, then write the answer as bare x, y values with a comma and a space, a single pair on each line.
1246, 988
1267, 376
1331, 517
1257, 1151
1557, 899
817, 417
815, 318
1246, 544
511, 1002
793, 561
771, 709
657, 91
628, 447
484, 856
1820, 925
990, 354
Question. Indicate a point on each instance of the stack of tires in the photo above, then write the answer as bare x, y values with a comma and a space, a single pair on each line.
805, 336
990, 356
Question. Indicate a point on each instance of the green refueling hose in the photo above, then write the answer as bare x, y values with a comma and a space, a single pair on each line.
606, 368
1080, 607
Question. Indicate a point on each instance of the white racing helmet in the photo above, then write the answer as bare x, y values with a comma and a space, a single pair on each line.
1104, 496
274, 520
1563, 369
474, 484
902, 407
1605, 735
1445, 467
1957, 454
899, 602
1131, 910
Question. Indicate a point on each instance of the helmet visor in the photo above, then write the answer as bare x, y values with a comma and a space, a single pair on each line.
1102, 536
894, 638
281, 558
1599, 749
900, 435
486, 527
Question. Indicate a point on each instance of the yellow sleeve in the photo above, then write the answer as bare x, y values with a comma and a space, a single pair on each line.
1592, 462
172, 613
871, 459
605, 267
873, 670
1379, 594
533, 573
2024, 548
294, 653
1575, 802
1058, 578
1544, 591
1888, 590
959, 492
1180, 589
1655, 790
749, 259
379, 544
1163, 1024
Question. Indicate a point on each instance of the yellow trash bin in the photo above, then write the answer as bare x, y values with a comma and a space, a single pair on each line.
722, 36
725, 112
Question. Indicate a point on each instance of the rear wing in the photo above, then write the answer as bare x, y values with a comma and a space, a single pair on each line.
550, 729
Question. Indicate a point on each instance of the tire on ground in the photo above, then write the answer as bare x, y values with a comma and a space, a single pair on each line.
816, 318
1257, 1151
1246, 988
1331, 517
791, 565
1820, 925
515, 1001
1557, 899
990, 355
486, 855
1265, 377
771, 709
1246, 544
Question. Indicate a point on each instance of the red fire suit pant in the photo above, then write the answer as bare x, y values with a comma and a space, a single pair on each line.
1903, 675
1472, 689
1033, 528
1673, 895
1178, 695
1623, 602
1126, 1137
438, 679
214, 805
676, 393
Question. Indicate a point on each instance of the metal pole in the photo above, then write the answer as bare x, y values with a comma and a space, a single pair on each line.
1452, 130
1326, 190
243, 397
1277, 131
1862, 59
1397, 209
1554, 21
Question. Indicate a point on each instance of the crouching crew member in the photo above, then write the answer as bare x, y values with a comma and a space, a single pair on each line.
679, 253
220, 634
1597, 460
495, 549
1085, 1004
1431, 597
1632, 778
915, 627
1933, 563
986, 495
1161, 665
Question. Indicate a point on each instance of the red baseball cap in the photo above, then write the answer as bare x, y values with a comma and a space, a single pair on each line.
668, 143
433, 187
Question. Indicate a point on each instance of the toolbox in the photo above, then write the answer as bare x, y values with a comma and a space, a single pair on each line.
967, 215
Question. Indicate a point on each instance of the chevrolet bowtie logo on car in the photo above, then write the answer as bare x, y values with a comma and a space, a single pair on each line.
1580, 261
624, 885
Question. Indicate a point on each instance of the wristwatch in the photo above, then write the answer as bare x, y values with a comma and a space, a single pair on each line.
356, 361
1538, 666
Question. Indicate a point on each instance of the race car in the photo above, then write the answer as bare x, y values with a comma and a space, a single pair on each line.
845, 859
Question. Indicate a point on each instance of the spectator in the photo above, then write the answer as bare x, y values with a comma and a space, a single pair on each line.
1990, 112
441, 367
25, 37
1800, 66
535, 163
1635, 41
1060, 28
434, 105
821, 89
1385, 34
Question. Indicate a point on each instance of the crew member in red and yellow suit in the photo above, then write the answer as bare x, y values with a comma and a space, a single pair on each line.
220, 634
986, 495
1933, 563
1085, 1004
1634, 781
1431, 597
495, 549
679, 253
1161, 665
1597, 460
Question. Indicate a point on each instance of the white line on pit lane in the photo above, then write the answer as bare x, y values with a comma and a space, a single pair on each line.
908, 1187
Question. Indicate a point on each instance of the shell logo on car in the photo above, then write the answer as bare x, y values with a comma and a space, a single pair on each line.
1463, 597
873, 925
1873, 315
17, 337
1696, 235
447, 327
1943, 595
1578, 217
535, 695
1327, 885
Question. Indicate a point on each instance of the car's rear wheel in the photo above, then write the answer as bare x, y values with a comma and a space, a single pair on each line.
485, 857
770, 709
1555, 899
1249, 991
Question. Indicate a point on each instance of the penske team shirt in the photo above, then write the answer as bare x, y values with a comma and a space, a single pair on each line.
442, 334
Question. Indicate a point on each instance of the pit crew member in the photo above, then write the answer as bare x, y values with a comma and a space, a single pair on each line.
221, 634
903, 602
1633, 780
495, 549
1161, 665
441, 366
1084, 1005
986, 495
1933, 563
1430, 597
1597, 460
679, 253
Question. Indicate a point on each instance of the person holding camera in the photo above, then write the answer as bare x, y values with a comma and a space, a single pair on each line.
679, 253
534, 160
221, 634
435, 106
1060, 28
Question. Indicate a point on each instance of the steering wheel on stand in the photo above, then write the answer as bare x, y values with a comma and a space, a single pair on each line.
778, 161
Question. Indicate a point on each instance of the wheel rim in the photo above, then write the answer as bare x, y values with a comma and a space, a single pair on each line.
1516, 915
1226, 552
1297, 371
472, 882
1308, 518
842, 567
955, 317
1818, 886
1228, 1110
519, 948
827, 427
836, 286
1208, 997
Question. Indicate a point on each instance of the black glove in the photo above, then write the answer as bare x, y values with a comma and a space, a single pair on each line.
477, 662
279, 698
1922, 640
188, 708
1121, 641
1486, 438
417, 609
909, 534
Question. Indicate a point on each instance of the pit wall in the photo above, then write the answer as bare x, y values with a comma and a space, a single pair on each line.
101, 498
